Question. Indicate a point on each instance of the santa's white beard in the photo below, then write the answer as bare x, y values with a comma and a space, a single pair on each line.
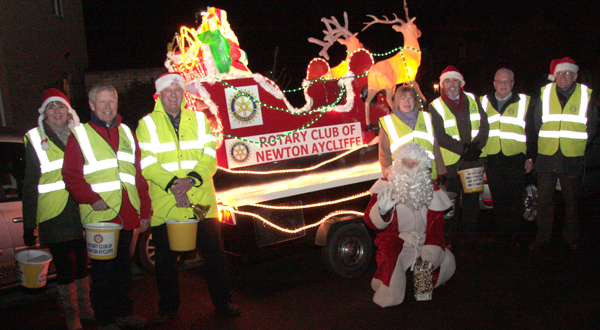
412, 187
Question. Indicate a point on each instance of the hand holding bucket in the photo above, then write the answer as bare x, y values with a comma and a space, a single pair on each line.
182, 234
471, 177
102, 238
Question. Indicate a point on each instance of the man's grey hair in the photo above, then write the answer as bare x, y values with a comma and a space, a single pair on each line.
101, 87
509, 71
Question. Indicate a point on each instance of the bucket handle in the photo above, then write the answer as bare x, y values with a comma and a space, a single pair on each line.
118, 215
191, 206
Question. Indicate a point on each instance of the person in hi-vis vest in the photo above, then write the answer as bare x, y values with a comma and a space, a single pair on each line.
179, 161
407, 124
48, 206
461, 129
102, 172
565, 124
506, 151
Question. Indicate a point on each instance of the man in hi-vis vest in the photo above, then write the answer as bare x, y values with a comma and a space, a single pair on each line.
461, 129
179, 161
506, 151
565, 123
102, 172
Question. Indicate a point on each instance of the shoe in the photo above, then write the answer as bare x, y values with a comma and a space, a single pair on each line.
163, 317
228, 310
133, 321
535, 246
111, 326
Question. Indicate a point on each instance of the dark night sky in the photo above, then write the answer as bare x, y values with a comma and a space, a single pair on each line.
134, 34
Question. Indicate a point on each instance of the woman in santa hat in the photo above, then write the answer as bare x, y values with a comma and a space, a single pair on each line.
48, 207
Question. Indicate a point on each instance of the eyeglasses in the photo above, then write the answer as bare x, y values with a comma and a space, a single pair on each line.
504, 82
564, 74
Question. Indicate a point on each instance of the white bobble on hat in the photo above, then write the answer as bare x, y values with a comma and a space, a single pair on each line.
52, 95
562, 64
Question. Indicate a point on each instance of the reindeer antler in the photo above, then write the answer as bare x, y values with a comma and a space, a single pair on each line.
331, 35
386, 21
406, 11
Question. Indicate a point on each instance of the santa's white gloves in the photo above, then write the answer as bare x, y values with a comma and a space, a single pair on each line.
385, 202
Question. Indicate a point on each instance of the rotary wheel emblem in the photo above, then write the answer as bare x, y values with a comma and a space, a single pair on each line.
239, 152
243, 107
98, 239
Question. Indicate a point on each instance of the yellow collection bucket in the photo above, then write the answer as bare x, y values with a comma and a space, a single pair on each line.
182, 234
33, 268
102, 240
472, 180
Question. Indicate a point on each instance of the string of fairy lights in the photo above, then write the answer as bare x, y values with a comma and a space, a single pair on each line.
192, 67
224, 206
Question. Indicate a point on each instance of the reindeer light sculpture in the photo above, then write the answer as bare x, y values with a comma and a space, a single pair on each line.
332, 35
400, 68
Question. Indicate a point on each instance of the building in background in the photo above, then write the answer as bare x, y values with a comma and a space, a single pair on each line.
42, 45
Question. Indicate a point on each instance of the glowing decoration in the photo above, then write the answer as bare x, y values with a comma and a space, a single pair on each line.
219, 47
292, 231
294, 170
215, 21
402, 67
212, 62
304, 184
332, 35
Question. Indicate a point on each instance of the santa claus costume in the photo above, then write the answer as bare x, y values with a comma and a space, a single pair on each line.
413, 228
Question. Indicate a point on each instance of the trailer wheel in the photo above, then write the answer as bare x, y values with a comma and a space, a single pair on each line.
145, 248
349, 251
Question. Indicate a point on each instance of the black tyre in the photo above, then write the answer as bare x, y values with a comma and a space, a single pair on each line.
530, 201
145, 251
349, 251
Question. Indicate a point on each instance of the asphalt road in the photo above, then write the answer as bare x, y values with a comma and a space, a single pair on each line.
493, 288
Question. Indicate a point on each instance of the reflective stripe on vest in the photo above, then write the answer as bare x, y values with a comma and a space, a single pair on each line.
450, 127
422, 134
565, 127
108, 172
156, 147
52, 195
507, 131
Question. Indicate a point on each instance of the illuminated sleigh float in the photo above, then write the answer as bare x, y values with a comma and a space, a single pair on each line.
287, 176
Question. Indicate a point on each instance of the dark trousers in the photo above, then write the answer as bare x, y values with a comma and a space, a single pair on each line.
545, 217
506, 185
70, 259
111, 282
468, 214
215, 266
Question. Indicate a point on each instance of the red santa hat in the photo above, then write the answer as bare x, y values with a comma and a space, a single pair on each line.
452, 72
53, 95
563, 64
167, 79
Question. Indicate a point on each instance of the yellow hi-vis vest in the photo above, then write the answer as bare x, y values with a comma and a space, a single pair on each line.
507, 131
52, 195
566, 126
107, 172
400, 134
166, 155
451, 158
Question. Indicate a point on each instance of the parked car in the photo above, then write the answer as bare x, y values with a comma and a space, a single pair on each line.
12, 173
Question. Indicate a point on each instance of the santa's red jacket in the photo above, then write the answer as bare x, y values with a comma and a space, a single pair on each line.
390, 244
